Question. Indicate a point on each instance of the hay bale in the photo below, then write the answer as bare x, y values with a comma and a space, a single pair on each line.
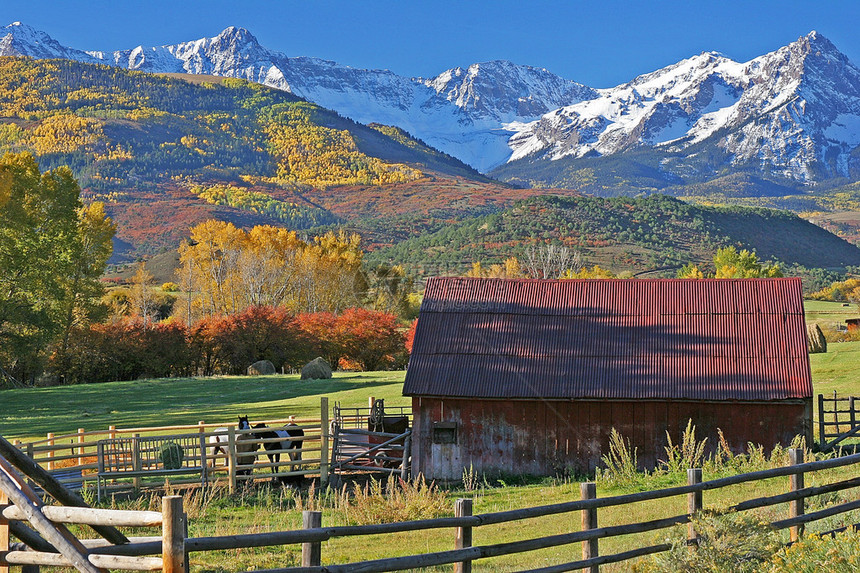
815, 339
316, 369
261, 368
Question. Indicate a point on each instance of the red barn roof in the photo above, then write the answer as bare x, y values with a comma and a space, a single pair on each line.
711, 339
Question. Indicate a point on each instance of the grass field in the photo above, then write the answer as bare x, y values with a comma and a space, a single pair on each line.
33, 412
831, 313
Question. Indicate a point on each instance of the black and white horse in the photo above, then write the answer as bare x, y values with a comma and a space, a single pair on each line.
273, 449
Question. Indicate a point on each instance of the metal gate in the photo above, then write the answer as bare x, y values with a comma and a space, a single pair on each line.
372, 439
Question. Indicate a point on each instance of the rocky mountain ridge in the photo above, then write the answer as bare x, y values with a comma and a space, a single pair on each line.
792, 114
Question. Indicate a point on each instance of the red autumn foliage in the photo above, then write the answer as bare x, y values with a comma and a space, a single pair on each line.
410, 336
366, 339
127, 349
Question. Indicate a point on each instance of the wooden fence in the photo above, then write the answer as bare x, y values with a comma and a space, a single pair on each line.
76, 459
838, 420
173, 545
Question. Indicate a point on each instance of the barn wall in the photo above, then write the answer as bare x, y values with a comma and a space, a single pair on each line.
547, 437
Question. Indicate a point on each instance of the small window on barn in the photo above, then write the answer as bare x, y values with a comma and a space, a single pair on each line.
444, 432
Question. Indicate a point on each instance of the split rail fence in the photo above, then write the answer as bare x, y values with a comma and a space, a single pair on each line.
173, 545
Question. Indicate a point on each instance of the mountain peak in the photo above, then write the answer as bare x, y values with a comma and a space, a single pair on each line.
815, 43
239, 34
23, 40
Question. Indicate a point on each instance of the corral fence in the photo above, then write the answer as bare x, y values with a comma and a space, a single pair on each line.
121, 459
375, 439
838, 420
173, 545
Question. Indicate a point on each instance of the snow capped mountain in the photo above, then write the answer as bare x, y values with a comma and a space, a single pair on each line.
460, 112
18, 39
794, 112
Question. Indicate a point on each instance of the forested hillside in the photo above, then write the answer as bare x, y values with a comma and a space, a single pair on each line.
166, 153
624, 233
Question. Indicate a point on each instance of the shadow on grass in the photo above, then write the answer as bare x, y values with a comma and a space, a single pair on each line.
33, 412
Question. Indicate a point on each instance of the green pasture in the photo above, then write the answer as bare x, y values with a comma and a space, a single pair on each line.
830, 313
33, 412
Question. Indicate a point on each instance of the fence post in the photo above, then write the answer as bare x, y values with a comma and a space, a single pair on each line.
323, 441
312, 550
201, 426
136, 464
796, 507
231, 458
404, 464
463, 539
4, 534
112, 432
851, 412
588, 490
81, 440
821, 439
694, 505
50, 451
836, 413
172, 534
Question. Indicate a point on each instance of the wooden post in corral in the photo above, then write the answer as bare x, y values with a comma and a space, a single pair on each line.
324, 438
694, 505
796, 507
231, 458
4, 533
50, 442
836, 413
172, 535
463, 539
588, 490
311, 551
81, 440
136, 464
112, 432
821, 439
851, 412
404, 464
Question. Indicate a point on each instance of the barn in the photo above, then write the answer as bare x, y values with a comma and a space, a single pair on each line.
530, 376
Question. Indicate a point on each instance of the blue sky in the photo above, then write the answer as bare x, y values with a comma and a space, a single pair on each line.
597, 42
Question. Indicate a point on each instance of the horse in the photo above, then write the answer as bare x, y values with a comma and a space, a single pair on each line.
244, 446
293, 446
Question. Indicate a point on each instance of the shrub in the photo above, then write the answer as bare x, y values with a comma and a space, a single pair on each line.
837, 554
125, 350
229, 344
392, 500
621, 462
737, 542
360, 338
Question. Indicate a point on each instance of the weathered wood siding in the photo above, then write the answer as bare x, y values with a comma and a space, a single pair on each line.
547, 437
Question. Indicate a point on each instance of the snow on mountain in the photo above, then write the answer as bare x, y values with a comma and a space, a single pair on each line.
794, 112
18, 39
460, 112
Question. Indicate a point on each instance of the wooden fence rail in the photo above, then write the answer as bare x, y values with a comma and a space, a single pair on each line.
173, 545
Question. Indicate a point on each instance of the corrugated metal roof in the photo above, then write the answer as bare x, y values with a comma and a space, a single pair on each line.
711, 339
